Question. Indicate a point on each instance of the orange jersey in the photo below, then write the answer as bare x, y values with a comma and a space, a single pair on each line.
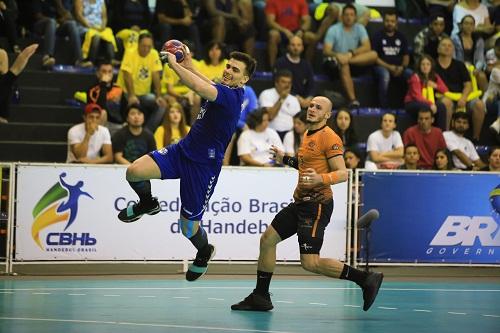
314, 152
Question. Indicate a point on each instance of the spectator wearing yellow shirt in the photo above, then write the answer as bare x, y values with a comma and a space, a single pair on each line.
141, 67
173, 127
174, 90
214, 61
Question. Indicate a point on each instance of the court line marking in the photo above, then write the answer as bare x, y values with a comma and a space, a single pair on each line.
244, 287
216, 299
146, 296
6, 292
111, 295
421, 310
386, 308
76, 294
488, 315
181, 297
287, 302
457, 313
352, 306
41, 293
318, 303
229, 329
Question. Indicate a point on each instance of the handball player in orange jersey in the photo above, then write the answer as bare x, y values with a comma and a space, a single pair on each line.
321, 164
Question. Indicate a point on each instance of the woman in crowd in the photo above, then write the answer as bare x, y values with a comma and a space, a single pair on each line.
293, 138
214, 61
173, 127
443, 160
343, 126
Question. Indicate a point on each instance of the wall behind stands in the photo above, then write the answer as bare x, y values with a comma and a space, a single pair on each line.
69, 212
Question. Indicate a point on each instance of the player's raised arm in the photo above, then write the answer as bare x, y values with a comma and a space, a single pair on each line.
203, 88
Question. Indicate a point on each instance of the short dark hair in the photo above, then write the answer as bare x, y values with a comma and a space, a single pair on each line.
249, 61
145, 35
411, 145
283, 73
460, 115
392, 114
391, 12
101, 61
351, 6
425, 110
134, 106
254, 118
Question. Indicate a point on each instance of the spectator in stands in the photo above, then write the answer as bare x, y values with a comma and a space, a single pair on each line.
280, 103
493, 160
443, 160
422, 89
477, 10
109, 96
393, 56
175, 91
286, 18
426, 137
229, 24
347, 51
492, 98
173, 127
457, 78
293, 138
8, 16
492, 57
353, 159
464, 153
385, 147
254, 143
411, 157
89, 142
48, 19
343, 125
332, 14
9, 75
92, 17
302, 71
138, 70
175, 21
495, 20
128, 19
250, 104
469, 48
214, 61
427, 40
443, 8
132, 141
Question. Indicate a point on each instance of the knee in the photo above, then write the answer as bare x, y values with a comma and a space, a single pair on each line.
133, 172
266, 241
448, 103
310, 264
188, 227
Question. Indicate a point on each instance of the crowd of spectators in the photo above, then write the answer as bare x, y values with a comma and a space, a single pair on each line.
451, 68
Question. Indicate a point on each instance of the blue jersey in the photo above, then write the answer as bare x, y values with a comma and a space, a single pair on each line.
209, 136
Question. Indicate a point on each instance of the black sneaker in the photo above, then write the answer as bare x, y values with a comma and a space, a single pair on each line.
254, 302
199, 266
134, 212
370, 289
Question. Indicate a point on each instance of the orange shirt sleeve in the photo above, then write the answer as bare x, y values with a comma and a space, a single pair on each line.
332, 145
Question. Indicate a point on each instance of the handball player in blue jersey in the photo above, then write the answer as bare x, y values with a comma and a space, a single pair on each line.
197, 158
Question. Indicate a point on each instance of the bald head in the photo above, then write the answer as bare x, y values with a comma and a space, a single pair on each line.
319, 110
295, 46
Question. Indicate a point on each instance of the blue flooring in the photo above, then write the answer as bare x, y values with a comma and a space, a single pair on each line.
313, 305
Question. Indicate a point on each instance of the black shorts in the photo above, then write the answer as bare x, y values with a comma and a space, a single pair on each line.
306, 219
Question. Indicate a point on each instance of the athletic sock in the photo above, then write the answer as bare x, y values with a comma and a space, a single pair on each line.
263, 282
200, 242
353, 274
143, 190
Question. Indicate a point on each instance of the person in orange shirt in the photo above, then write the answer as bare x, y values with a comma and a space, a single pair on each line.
321, 164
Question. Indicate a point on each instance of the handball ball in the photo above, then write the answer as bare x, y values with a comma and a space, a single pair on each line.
495, 199
175, 47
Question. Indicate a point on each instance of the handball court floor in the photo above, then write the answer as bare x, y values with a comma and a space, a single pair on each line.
150, 304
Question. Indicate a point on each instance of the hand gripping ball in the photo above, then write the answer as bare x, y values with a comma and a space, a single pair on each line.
175, 47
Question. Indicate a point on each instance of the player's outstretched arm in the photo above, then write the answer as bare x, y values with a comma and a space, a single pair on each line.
203, 88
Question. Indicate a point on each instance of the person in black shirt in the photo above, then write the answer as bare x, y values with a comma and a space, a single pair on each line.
132, 141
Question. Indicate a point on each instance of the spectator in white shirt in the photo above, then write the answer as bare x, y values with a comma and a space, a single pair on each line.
293, 138
385, 147
280, 104
464, 153
89, 142
254, 144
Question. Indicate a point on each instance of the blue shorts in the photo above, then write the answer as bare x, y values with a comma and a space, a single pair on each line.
197, 180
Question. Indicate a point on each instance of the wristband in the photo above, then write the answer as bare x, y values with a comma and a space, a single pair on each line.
291, 161
330, 178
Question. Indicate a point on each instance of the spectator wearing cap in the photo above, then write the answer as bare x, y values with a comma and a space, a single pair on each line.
132, 141
89, 142
427, 40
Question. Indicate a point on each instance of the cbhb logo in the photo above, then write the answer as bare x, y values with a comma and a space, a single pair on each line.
59, 204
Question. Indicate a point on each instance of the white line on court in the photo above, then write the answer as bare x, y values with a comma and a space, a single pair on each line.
147, 296
287, 302
77, 294
111, 295
352, 306
181, 297
421, 310
41, 293
6, 292
386, 308
488, 315
318, 303
457, 313
139, 324
216, 299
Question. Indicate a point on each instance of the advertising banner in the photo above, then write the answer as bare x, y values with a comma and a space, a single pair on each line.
434, 217
69, 212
